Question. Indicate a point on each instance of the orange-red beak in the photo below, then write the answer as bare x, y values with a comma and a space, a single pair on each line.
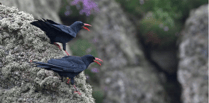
85, 24
98, 60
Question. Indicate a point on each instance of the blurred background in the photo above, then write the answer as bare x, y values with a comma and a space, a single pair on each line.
154, 51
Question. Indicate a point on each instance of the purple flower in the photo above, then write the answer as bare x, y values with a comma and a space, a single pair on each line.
95, 40
88, 6
105, 88
94, 70
166, 28
67, 13
87, 77
141, 2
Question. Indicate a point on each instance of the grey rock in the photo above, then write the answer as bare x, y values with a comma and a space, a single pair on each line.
166, 59
38, 8
126, 76
19, 80
193, 55
1, 65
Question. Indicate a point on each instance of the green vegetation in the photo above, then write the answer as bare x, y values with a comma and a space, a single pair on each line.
82, 47
156, 32
98, 95
167, 19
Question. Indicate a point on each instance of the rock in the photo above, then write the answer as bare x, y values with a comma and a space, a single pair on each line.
166, 59
38, 8
125, 75
193, 55
20, 81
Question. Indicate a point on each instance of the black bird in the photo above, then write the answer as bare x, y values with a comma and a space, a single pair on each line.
58, 32
69, 66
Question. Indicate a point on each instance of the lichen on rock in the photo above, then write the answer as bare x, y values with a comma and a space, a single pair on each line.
21, 42
193, 57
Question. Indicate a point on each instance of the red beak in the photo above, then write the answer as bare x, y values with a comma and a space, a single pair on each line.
97, 61
85, 24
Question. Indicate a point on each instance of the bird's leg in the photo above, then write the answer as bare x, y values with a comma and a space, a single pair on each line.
68, 80
76, 90
73, 86
57, 45
67, 53
64, 48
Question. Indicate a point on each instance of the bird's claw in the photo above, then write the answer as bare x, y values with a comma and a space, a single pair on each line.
57, 45
67, 53
68, 80
77, 92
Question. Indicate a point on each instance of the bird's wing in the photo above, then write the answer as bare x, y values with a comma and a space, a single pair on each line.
51, 22
70, 65
62, 28
65, 29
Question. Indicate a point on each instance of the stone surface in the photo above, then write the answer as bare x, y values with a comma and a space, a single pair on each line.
21, 42
126, 76
166, 59
193, 55
38, 8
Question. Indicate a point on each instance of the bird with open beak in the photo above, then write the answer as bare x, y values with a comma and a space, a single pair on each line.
69, 66
58, 32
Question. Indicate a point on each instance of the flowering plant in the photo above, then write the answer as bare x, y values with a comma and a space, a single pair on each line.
87, 7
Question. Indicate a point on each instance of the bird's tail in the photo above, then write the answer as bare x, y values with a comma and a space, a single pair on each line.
42, 24
43, 65
47, 66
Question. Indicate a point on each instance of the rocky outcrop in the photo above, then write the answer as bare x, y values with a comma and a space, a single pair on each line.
19, 80
38, 8
126, 75
193, 55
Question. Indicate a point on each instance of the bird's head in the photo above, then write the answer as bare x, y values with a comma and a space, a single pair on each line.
80, 24
88, 59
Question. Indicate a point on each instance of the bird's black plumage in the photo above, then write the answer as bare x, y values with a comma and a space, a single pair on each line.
68, 66
58, 32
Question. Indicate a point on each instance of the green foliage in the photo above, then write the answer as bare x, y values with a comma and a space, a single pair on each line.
98, 95
170, 13
156, 32
175, 8
82, 47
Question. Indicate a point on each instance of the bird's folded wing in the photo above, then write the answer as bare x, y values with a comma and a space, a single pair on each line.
65, 29
61, 28
50, 21
74, 66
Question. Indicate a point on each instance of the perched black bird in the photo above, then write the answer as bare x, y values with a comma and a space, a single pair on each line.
58, 32
69, 66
